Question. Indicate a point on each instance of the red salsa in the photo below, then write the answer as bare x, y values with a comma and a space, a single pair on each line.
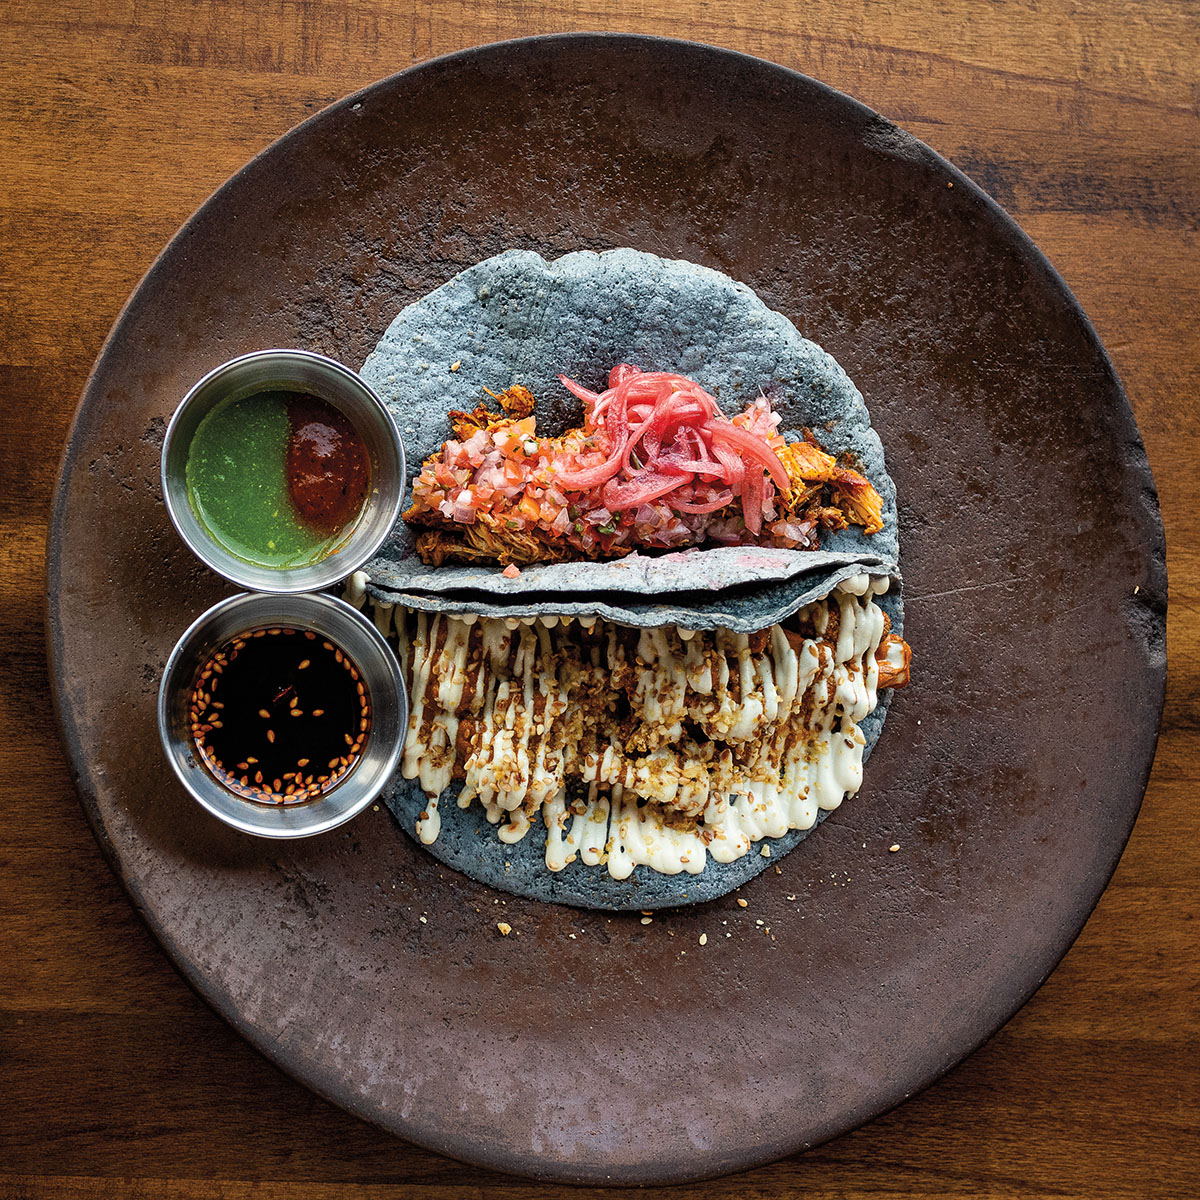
328, 469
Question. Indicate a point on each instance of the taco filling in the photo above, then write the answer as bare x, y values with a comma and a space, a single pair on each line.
655, 465
656, 747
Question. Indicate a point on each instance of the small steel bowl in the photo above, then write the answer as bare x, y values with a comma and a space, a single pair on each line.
288, 370
346, 628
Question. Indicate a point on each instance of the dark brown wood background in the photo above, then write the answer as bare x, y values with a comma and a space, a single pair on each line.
117, 120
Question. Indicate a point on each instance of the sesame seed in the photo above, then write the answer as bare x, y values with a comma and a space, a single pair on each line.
742, 903
704, 939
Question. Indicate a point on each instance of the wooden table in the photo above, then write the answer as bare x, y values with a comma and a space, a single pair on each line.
1081, 119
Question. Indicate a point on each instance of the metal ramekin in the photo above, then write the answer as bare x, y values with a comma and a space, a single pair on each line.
380, 670
289, 370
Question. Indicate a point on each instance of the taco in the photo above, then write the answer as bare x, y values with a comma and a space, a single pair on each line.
515, 326
579, 759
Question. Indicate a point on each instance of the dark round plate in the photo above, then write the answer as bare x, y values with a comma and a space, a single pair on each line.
584, 1047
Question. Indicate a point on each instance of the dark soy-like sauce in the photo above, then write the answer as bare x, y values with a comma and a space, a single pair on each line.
279, 715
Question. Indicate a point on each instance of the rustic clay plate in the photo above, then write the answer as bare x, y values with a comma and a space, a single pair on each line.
1009, 773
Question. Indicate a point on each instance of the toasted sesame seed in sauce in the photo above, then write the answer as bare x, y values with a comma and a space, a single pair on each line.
262, 680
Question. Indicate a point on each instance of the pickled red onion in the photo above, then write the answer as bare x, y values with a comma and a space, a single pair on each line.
681, 437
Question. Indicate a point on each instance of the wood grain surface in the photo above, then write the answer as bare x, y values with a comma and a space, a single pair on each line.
117, 120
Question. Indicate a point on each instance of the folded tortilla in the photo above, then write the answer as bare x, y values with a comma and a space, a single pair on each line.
518, 319
579, 761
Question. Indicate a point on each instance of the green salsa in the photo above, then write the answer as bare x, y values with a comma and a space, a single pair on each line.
242, 486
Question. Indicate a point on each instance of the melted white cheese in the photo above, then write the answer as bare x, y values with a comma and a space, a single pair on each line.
532, 711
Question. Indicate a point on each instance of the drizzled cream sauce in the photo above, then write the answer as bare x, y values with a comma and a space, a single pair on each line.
722, 747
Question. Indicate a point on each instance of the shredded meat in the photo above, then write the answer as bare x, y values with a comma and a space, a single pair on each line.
893, 675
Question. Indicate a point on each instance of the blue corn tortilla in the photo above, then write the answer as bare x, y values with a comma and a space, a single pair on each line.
519, 319
744, 607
